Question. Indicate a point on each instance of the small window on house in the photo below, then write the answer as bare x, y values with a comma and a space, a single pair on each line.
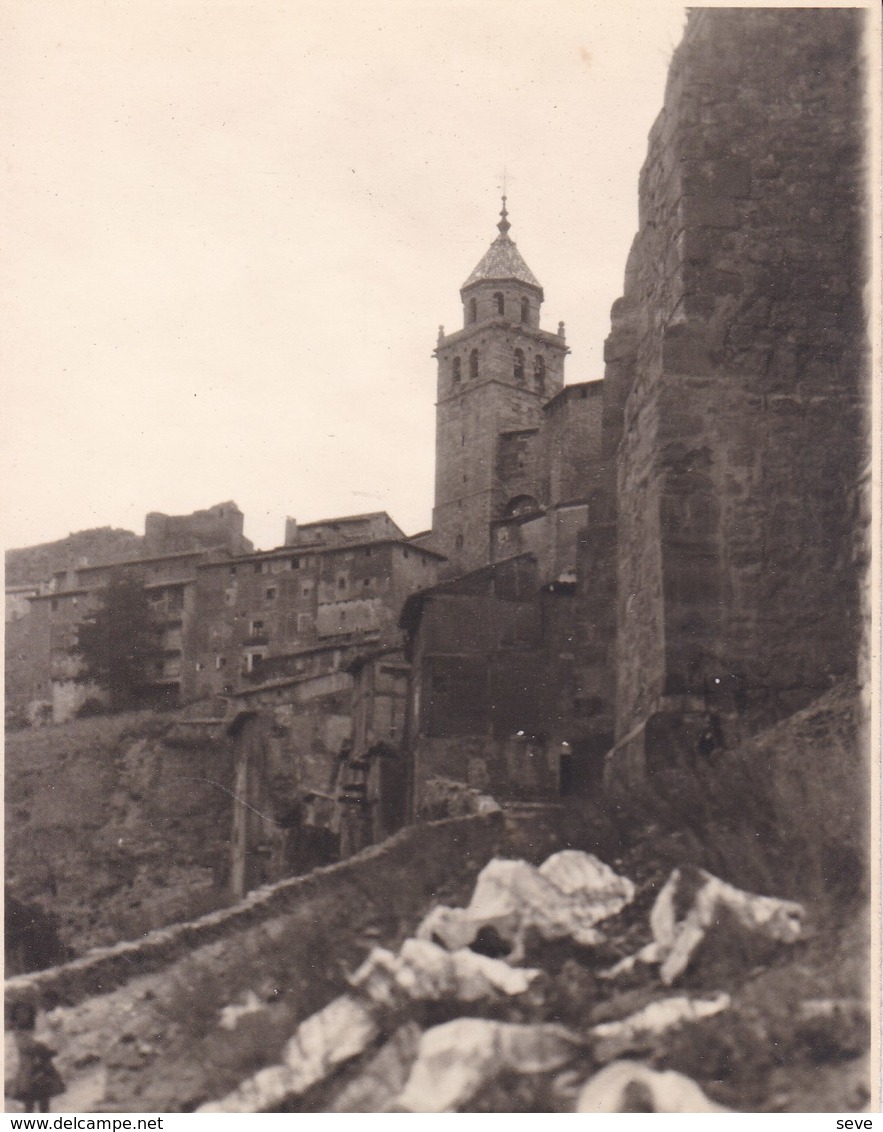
257, 626
257, 659
539, 371
367, 581
498, 299
257, 567
271, 593
456, 372
473, 310
233, 571
294, 564
458, 542
518, 365
220, 662
341, 583
406, 553
367, 551
304, 622
473, 364
200, 667
525, 310
53, 605
305, 592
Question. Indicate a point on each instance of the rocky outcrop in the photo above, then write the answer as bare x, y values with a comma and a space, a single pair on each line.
739, 357
114, 832
102, 544
785, 812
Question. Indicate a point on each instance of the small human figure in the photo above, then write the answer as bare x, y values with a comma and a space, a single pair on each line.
712, 737
706, 743
37, 1079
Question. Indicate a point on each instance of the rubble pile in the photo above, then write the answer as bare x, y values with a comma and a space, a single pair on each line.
534, 997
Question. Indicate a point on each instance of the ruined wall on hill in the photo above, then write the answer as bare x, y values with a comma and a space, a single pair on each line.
738, 363
217, 526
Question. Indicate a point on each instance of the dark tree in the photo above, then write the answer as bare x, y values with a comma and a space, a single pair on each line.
119, 642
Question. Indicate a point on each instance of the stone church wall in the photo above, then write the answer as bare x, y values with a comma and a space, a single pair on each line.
571, 435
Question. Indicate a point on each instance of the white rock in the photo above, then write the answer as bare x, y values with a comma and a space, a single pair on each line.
456, 1059
230, 1015
325, 1040
656, 1018
424, 971
675, 940
566, 897
629, 1086
383, 1077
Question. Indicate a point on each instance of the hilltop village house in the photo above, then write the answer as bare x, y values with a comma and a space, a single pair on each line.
41, 664
622, 575
230, 618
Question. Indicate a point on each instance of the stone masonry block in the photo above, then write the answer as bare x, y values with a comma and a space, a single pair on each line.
718, 177
707, 212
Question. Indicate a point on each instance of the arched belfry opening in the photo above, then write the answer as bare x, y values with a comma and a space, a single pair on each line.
539, 373
518, 365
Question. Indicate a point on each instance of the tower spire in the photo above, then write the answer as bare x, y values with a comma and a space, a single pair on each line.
503, 223
503, 261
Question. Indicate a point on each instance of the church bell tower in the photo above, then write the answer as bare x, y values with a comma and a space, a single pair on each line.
494, 376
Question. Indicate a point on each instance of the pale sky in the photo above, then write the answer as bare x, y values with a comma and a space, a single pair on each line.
233, 227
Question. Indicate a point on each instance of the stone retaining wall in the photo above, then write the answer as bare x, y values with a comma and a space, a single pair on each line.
398, 876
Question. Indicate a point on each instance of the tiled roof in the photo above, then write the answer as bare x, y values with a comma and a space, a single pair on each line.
502, 260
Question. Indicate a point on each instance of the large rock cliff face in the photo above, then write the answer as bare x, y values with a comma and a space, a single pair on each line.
103, 544
739, 356
112, 831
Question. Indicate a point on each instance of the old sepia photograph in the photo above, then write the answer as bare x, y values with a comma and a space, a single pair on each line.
441, 528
